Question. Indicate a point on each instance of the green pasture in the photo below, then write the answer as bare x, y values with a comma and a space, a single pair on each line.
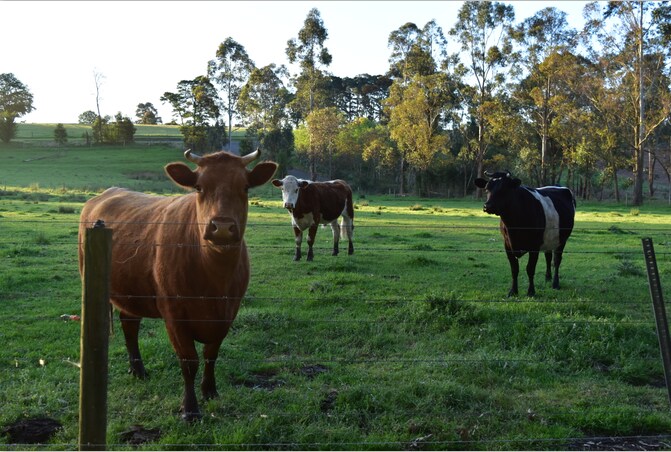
32, 134
410, 343
42, 135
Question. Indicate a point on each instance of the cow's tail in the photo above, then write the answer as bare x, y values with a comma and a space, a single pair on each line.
347, 225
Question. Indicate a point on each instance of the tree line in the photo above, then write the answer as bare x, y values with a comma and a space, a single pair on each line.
550, 103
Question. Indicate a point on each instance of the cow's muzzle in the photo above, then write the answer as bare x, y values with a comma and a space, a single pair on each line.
289, 206
487, 208
222, 231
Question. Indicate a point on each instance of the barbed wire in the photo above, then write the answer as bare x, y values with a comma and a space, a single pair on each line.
411, 248
358, 225
428, 298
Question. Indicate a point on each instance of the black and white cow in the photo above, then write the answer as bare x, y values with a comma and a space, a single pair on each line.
532, 220
314, 203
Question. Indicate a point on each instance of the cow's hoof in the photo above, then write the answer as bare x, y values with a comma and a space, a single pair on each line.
531, 293
208, 395
191, 417
335, 253
140, 374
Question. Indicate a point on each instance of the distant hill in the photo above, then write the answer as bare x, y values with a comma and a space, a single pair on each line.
45, 132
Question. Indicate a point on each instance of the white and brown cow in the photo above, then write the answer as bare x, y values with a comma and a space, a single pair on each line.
314, 203
532, 220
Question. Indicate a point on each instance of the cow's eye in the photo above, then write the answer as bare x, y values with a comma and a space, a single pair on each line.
296, 191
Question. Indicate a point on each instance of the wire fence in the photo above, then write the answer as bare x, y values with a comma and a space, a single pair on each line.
375, 326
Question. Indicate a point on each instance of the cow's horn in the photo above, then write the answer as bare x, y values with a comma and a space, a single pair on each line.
190, 156
486, 173
249, 158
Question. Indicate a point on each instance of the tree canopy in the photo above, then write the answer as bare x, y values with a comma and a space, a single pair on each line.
15, 101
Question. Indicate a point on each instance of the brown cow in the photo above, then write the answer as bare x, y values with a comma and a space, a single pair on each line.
182, 258
312, 203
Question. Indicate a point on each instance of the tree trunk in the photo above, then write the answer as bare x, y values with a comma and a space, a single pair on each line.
616, 185
402, 181
651, 174
637, 199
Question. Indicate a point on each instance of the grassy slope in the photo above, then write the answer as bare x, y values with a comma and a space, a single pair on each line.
408, 341
30, 133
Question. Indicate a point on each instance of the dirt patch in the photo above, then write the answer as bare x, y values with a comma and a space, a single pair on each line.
261, 380
137, 435
624, 443
312, 371
35, 430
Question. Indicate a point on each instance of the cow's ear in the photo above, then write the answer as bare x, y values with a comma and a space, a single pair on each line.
181, 174
303, 184
261, 174
276, 182
516, 183
480, 182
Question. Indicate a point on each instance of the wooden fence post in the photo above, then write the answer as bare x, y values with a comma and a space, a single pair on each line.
663, 335
95, 320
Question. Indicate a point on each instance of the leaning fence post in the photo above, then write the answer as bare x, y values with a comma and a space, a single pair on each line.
94, 337
660, 311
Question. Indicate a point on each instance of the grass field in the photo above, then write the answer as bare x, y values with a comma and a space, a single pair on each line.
409, 344
42, 135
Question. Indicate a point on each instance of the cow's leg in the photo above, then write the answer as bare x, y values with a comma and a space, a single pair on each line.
347, 230
131, 328
548, 265
312, 233
531, 271
299, 239
514, 271
336, 237
208, 385
188, 361
558, 257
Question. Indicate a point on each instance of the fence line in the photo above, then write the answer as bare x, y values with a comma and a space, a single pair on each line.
411, 248
358, 225
428, 298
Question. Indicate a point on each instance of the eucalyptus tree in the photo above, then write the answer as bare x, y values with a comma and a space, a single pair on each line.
323, 125
483, 32
365, 152
415, 121
147, 114
263, 103
418, 96
264, 98
98, 125
541, 37
313, 57
195, 102
230, 70
415, 51
16, 100
628, 40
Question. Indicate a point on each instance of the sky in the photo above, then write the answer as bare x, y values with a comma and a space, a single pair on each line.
145, 48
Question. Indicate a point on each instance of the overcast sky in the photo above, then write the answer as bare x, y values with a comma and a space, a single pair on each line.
144, 48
